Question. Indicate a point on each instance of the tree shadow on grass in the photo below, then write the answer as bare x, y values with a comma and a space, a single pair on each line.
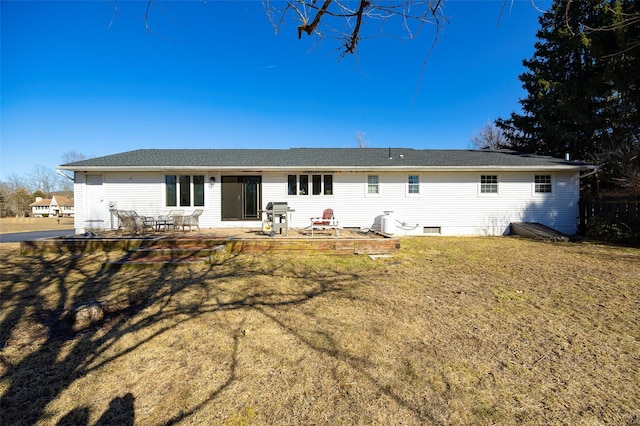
41, 290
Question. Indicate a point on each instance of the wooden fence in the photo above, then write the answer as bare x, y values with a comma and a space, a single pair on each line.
619, 208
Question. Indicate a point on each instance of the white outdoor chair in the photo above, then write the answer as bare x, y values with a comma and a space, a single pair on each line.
327, 221
191, 220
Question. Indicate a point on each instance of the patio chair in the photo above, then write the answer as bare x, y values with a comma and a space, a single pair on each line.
327, 221
129, 220
170, 218
191, 220
125, 221
142, 223
116, 213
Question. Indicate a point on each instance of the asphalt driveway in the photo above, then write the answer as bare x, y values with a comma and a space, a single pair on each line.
30, 236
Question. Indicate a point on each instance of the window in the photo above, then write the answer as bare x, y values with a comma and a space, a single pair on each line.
542, 184
489, 184
188, 190
291, 184
328, 184
413, 184
316, 181
373, 184
185, 190
198, 190
170, 190
304, 184
320, 184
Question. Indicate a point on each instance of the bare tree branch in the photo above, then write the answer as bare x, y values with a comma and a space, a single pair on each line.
310, 28
354, 17
353, 39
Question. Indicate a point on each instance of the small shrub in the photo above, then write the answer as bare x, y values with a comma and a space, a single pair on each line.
616, 230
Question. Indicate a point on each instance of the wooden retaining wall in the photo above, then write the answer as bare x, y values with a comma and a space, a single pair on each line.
254, 245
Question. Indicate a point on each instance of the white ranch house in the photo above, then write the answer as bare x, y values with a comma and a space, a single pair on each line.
442, 192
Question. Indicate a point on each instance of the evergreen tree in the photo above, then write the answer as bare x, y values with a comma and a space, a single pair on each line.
582, 83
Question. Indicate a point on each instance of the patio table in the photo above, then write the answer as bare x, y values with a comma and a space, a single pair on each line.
165, 223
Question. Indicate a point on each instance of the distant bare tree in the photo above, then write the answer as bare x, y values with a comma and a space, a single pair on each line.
361, 139
65, 184
43, 179
73, 156
490, 137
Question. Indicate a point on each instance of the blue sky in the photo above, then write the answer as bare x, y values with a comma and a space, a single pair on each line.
213, 74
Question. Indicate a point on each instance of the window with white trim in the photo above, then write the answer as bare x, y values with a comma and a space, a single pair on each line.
184, 190
328, 185
373, 184
292, 184
413, 184
320, 185
304, 185
489, 184
542, 184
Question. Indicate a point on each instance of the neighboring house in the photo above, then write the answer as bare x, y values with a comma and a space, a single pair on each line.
57, 205
442, 192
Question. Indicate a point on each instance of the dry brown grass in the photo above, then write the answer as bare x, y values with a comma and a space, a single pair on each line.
446, 331
26, 224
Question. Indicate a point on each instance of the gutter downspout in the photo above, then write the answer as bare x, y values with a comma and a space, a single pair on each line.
592, 172
65, 175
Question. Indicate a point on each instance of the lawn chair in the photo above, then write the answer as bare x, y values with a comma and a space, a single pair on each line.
143, 222
191, 220
129, 220
327, 221
170, 218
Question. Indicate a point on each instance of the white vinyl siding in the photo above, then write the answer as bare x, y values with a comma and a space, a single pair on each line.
448, 201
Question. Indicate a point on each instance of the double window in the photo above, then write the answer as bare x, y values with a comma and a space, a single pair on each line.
184, 190
489, 184
413, 184
317, 185
373, 184
542, 184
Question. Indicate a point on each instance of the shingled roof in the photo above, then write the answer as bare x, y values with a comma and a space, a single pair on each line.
320, 158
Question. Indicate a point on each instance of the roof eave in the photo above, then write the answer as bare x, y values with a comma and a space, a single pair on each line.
577, 167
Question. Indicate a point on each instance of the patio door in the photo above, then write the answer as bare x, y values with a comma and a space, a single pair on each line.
241, 197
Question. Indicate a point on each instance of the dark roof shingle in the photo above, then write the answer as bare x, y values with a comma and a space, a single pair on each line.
319, 158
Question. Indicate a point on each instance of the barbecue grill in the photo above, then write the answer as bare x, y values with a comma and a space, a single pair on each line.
277, 217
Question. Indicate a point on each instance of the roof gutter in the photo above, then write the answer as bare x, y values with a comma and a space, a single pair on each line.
325, 168
64, 175
589, 173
